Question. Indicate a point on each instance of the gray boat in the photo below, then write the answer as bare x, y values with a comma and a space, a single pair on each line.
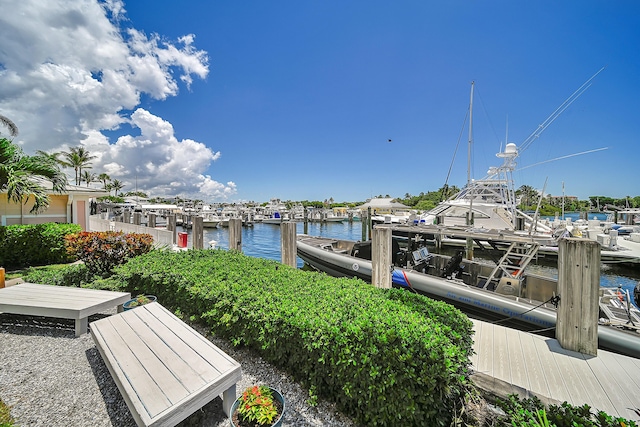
502, 292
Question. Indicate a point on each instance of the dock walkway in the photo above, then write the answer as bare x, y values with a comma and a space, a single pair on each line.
509, 361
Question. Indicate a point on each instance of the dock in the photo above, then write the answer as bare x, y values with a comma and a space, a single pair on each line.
508, 361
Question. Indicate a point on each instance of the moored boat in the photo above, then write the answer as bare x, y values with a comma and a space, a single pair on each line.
503, 292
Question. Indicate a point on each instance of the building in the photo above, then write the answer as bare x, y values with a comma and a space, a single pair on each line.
72, 206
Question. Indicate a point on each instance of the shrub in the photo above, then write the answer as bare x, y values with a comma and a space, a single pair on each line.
76, 275
39, 244
101, 251
383, 359
525, 412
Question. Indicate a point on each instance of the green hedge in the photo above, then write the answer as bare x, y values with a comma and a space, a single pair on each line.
386, 357
39, 244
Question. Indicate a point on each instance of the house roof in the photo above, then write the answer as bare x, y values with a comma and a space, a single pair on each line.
70, 189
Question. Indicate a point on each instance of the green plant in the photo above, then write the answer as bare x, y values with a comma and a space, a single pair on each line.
32, 245
5, 417
532, 412
101, 251
382, 357
76, 275
257, 405
139, 300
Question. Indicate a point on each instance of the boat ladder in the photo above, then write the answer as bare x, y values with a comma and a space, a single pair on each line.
514, 261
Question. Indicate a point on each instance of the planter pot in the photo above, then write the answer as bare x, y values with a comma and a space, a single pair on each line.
133, 303
277, 396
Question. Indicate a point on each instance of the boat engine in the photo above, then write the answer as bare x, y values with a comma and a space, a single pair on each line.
454, 267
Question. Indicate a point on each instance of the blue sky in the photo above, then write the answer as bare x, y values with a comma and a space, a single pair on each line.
299, 99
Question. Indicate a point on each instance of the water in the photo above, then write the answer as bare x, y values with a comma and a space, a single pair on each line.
263, 241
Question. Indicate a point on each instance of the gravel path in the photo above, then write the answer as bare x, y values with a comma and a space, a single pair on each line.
50, 378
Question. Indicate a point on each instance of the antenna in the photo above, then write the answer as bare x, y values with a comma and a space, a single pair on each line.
567, 102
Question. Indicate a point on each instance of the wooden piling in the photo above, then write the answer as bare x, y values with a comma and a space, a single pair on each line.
151, 223
197, 232
288, 243
2, 277
137, 218
235, 234
171, 226
381, 257
126, 217
578, 288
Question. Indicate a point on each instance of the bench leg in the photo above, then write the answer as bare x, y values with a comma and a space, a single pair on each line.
81, 326
228, 397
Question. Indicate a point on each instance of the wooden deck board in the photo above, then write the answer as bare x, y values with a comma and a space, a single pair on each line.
540, 366
164, 369
59, 301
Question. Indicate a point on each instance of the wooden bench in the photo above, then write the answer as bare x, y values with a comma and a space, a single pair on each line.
60, 302
165, 370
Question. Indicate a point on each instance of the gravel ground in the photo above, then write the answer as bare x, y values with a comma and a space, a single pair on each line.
48, 377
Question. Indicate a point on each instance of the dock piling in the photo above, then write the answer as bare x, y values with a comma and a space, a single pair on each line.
288, 243
381, 257
578, 287
235, 234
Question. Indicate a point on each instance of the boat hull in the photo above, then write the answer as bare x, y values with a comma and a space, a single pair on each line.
481, 303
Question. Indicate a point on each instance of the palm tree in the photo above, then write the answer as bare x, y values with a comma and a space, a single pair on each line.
89, 177
78, 158
6, 122
116, 185
20, 176
104, 179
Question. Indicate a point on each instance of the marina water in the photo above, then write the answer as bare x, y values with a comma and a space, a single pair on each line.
263, 241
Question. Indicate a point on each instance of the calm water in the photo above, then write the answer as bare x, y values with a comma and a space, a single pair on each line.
263, 241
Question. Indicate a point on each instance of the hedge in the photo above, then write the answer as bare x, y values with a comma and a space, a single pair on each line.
39, 244
386, 357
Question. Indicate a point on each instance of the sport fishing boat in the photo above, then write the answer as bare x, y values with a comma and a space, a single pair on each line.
500, 292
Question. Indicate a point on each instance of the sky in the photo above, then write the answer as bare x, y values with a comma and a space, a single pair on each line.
228, 101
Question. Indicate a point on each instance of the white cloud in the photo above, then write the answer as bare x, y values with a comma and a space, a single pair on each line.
69, 70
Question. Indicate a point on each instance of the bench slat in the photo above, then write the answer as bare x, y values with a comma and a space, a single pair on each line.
210, 362
168, 350
128, 372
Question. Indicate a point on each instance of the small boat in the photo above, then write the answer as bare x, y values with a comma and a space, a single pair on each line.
210, 220
503, 292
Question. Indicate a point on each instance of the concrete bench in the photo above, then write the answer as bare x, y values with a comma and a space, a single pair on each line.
60, 302
165, 370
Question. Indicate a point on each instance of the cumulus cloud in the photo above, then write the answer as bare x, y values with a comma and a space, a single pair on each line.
71, 70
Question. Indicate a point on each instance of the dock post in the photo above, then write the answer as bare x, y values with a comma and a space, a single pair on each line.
171, 226
126, 217
151, 223
578, 287
288, 243
137, 218
381, 257
235, 234
197, 232
306, 220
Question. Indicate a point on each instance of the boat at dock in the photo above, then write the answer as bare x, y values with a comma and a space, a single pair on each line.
501, 292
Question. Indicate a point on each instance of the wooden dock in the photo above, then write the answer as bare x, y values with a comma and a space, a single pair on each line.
508, 361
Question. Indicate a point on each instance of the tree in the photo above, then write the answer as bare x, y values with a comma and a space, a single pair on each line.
89, 177
529, 195
116, 186
104, 179
21, 176
6, 122
78, 158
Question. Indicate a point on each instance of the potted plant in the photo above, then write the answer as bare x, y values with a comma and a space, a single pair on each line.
138, 301
258, 406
